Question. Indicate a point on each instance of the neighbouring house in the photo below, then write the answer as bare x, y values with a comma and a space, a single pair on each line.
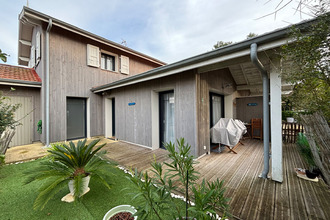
92, 86
22, 85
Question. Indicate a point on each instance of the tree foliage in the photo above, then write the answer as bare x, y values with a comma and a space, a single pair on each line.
309, 67
251, 35
7, 114
221, 44
3, 56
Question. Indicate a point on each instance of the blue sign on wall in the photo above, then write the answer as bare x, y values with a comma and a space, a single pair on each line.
131, 103
252, 104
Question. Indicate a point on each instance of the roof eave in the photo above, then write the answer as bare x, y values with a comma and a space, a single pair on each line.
266, 41
14, 82
28, 12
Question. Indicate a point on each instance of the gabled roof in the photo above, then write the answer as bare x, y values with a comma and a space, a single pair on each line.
21, 76
265, 42
29, 18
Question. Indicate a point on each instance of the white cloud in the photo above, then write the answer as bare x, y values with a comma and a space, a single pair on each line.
168, 30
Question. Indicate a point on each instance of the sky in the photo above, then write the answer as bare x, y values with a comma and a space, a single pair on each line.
168, 30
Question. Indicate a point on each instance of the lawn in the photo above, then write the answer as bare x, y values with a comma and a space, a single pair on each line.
16, 199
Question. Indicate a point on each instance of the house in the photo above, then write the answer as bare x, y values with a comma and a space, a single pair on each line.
92, 86
69, 62
22, 86
184, 99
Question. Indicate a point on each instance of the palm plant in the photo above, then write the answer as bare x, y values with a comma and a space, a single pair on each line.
65, 163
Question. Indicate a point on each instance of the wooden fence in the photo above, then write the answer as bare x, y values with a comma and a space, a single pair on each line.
290, 131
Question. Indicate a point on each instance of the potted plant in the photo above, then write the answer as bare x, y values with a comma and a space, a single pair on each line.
69, 164
121, 212
157, 191
288, 116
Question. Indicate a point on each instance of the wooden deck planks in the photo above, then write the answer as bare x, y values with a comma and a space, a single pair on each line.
282, 203
251, 197
297, 205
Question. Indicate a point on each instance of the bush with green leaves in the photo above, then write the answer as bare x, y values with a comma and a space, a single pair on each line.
7, 124
156, 191
7, 114
65, 163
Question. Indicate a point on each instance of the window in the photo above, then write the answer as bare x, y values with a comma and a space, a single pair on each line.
108, 62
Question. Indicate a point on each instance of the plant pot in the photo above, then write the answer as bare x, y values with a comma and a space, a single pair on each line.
85, 183
69, 197
121, 208
289, 119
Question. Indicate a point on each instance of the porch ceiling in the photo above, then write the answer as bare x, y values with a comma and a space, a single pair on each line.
246, 75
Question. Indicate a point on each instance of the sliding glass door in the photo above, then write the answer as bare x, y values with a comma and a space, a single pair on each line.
216, 108
166, 113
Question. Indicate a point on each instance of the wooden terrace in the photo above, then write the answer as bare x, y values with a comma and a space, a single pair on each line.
251, 197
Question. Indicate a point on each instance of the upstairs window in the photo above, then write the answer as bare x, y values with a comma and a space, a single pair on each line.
108, 62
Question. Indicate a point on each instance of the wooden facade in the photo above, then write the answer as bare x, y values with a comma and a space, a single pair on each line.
29, 113
135, 123
69, 74
192, 111
217, 81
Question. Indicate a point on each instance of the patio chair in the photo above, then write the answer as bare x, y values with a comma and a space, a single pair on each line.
256, 127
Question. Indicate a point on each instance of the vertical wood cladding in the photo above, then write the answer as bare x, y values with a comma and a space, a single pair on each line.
71, 77
34, 93
217, 81
248, 108
134, 123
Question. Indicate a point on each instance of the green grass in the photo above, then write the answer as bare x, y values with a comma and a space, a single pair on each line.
16, 199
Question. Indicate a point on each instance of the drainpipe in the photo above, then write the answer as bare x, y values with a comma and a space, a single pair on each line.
265, 88
50, 23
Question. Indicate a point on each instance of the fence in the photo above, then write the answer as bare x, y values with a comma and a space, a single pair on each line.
290, 131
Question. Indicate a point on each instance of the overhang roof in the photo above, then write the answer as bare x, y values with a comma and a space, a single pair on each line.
29, 18
21, 76
233, 56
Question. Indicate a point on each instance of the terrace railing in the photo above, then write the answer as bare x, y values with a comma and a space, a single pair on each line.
290, 131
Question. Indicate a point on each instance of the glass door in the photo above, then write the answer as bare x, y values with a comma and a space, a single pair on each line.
166, 108
216, 108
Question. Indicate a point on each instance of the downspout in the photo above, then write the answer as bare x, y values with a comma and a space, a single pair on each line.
50, 23
265, 89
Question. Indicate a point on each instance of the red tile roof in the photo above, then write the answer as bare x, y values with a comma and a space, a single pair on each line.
18, 73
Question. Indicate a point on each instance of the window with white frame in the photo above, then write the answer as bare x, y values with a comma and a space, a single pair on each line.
108, 62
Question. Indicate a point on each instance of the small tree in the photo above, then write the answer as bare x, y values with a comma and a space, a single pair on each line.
7, 120
309, 69
7, 123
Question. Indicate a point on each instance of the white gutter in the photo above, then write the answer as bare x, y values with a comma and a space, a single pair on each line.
50, 23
